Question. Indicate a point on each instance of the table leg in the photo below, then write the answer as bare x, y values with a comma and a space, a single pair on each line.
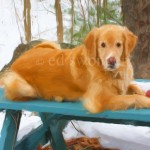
10, 130
57, 139
56, 125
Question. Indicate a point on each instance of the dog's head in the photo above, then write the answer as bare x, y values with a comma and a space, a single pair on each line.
111, 44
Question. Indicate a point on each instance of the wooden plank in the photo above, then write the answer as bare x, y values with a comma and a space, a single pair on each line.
73, 109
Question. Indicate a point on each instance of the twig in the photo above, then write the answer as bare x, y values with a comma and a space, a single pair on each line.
17, 22
46, 8
113, 18
41, 33
80, 131
82, 11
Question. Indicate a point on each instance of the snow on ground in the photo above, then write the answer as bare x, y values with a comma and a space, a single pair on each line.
145, 86
28, 123
125, 137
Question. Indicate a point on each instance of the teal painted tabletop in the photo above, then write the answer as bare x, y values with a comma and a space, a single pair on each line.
73, 109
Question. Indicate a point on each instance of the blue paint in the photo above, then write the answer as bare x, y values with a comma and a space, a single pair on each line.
10, 130
142, 80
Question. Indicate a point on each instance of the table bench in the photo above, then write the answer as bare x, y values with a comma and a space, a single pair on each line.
53, 114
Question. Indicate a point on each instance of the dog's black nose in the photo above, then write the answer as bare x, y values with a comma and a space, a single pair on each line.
111, 61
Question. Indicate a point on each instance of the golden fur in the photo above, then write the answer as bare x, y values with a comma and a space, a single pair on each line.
98, 72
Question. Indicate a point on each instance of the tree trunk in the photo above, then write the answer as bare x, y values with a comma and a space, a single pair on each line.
27, 20
99, 11
137, 19
59, 21
105, 10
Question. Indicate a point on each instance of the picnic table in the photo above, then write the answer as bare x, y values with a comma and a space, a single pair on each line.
53, 115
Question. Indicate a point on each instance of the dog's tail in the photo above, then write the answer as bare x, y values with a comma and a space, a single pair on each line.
15, 87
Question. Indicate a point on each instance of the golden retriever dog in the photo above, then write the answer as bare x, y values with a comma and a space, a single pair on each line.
98, 72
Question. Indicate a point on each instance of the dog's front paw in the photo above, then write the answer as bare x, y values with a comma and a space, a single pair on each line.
141, 92
134, 89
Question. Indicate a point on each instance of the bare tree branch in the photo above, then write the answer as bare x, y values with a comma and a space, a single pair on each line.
72, 19
83, 13
46, 8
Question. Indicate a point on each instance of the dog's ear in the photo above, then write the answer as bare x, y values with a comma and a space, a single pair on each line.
90, 42
130, 41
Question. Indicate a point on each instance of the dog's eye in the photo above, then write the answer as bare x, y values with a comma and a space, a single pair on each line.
103, 45
118, 44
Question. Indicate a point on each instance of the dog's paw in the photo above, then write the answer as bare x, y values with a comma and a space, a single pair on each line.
134, 89
141, 92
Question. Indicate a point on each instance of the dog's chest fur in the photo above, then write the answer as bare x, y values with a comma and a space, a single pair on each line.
121, 82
